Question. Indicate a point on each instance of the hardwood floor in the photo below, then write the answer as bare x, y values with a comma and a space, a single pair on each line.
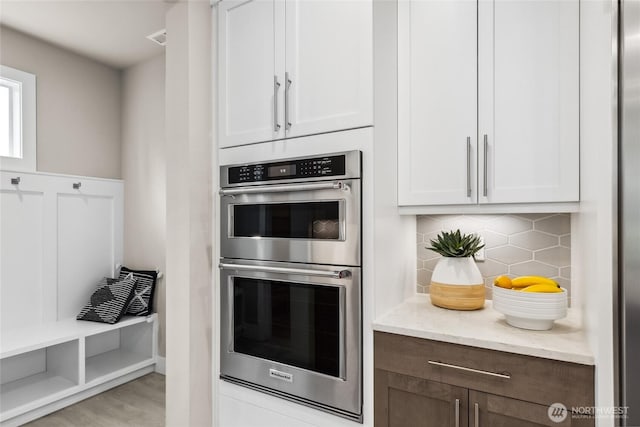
139, 403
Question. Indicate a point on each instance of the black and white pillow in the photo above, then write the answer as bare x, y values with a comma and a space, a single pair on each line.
142, 302
109, 302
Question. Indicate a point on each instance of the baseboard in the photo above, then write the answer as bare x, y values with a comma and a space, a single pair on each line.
161, 366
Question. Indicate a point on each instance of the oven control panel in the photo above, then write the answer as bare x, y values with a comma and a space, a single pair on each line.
292, 169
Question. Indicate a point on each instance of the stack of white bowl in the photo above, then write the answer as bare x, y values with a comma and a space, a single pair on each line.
530, 310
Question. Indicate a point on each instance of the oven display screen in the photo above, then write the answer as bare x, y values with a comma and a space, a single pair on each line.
282, 170
299, 168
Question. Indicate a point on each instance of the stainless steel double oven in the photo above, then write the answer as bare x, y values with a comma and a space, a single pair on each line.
291, 322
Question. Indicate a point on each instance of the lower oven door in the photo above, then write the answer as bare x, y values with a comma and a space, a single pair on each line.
293, 330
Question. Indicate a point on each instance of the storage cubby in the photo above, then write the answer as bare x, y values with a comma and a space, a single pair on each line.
48, 359
38, 374
118, 351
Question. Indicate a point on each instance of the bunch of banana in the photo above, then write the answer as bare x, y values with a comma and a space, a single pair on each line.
528, 284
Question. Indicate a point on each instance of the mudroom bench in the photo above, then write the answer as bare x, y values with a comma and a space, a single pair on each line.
52, 365
61, 235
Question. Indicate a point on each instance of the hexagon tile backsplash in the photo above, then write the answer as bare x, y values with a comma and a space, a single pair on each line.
516, 245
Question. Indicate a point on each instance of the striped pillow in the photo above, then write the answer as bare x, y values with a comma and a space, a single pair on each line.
142, 302
109, 302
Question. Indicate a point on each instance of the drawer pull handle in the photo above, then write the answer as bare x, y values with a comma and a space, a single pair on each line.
504, 375
476, 415
457, 412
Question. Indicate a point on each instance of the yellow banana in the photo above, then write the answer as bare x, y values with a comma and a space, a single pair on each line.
544, 288
503, 282
523, 281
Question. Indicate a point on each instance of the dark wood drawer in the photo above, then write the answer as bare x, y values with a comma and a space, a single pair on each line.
531, 379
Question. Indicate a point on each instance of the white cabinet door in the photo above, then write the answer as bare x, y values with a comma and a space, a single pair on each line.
528, 101
250, 64
329, 51
437, 106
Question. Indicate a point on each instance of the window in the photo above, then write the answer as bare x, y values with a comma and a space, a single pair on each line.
10, 118
17, 120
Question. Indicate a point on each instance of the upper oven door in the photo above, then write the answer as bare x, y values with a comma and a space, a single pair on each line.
315, 223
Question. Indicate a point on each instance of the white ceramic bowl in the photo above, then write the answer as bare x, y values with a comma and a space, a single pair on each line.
537, 298
510, 308
530, 310
531, 304
527, 296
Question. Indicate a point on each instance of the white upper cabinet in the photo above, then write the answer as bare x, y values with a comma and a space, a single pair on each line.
328, 66
437, 90
249, 98
509, 85
290, 68
529, 101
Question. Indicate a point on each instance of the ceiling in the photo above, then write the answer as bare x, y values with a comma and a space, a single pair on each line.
110, 31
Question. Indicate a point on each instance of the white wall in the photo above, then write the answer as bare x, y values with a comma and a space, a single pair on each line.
593, 228
394, 260
144, 173
189, 214
78, 106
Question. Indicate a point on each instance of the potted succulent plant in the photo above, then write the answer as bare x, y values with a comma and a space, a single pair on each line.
456, 282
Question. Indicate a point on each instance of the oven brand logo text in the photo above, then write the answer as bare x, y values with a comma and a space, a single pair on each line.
279, 375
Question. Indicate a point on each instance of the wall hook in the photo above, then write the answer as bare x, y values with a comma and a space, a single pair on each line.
77, 185
15, 181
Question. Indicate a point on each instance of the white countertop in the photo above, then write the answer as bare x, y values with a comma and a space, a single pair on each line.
417, 317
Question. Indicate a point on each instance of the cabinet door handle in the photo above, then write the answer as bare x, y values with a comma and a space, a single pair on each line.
468, 166
486, 149
476, 415
276, 88
504, 375
287, 86
457, 412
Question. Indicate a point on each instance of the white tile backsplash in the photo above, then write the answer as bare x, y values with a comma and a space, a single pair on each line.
518, 245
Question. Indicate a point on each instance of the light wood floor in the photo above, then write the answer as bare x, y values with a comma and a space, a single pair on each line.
139, 403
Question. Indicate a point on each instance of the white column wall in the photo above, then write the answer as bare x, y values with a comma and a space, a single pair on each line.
594, 227
188, 255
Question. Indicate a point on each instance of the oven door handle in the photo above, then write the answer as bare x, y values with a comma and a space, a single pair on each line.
337, 185
338, 274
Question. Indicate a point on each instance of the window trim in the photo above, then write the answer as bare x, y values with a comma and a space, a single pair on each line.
28, 103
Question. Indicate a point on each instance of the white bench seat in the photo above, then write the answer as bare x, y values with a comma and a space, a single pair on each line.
22, 340
46, 367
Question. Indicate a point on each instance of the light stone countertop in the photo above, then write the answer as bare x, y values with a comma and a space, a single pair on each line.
417, 317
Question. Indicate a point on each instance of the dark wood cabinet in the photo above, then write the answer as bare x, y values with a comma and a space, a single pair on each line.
404, 401
425, 383
501, 411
